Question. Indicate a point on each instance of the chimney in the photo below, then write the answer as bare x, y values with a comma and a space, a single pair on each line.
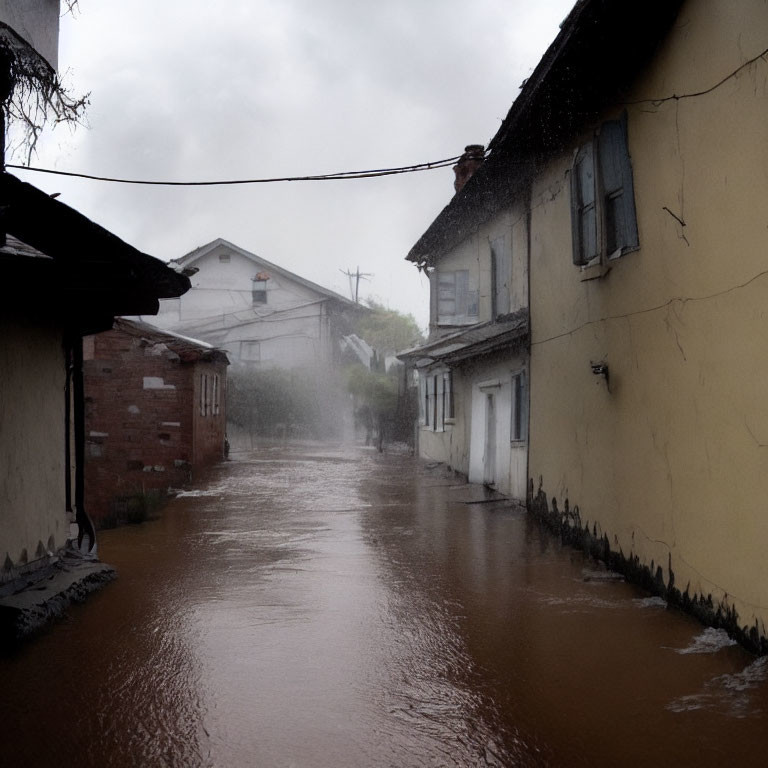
468, 163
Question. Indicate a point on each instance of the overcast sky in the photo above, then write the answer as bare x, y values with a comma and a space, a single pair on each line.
197, 90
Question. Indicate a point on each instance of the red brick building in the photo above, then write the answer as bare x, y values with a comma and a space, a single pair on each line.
155, 414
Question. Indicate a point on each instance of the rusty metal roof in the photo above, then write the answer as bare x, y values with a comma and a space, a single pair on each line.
188, 349
474, 341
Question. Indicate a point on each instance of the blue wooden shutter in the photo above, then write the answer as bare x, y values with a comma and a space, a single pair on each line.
617, 188
583, 206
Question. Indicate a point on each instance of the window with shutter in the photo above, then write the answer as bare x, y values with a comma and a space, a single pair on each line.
456, 303
617, 189
583, 207
603, 218
501, 266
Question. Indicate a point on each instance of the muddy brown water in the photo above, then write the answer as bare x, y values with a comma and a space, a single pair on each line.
320, 606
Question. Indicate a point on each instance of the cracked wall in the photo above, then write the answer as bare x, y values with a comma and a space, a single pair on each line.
669, 466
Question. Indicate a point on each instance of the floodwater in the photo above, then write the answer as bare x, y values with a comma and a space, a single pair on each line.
330, 607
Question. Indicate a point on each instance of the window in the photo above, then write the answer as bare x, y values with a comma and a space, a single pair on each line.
216, 395
250, 351
456, 304
259, 288
224, 258
435, 400
204, 402
603, 220
519, 425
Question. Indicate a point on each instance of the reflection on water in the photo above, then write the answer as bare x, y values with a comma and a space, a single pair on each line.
340, 608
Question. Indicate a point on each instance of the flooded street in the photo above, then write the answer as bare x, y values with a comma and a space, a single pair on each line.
328, 607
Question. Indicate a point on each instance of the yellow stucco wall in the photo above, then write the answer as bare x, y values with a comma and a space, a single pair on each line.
672, 463
32, 496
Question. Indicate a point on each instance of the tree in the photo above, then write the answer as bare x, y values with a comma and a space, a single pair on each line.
376, 399
31, 93
387, 330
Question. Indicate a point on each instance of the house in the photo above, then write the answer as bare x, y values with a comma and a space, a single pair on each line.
155, 414
635, 155
81, 276
472, 371
262, 315
63, 277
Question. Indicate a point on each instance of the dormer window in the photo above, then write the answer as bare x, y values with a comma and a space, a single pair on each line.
259, 288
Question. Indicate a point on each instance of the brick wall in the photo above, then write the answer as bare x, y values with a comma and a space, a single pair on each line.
144, 427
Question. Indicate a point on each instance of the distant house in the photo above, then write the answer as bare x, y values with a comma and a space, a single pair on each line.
155, 414
263, 315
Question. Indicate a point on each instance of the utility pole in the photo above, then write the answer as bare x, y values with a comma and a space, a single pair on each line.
358, 275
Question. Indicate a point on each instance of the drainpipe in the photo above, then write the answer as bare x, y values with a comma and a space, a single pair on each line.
84, 523
68, 422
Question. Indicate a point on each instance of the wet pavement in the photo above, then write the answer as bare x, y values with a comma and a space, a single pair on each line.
326, 606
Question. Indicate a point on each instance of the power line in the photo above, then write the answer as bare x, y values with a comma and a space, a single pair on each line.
340, 176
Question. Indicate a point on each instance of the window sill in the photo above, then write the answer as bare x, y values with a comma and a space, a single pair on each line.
450, 422
594, 272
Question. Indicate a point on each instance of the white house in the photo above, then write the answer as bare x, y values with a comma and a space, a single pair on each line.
263, 315
473, 399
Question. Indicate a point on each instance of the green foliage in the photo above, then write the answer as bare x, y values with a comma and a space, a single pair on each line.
374, 391
387, 330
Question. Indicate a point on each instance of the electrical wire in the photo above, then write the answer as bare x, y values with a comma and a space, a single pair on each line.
340, 176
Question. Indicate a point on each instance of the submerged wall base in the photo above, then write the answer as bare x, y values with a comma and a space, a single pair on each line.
46, 595
567, 524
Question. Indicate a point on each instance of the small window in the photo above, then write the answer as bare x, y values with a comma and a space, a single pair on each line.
519, 425
436, 400
216, 395
259, 288
250, 351
603, 218
203, 394
224, 258
456, 303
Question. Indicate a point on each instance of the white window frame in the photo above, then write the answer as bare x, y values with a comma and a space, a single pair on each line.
452, 288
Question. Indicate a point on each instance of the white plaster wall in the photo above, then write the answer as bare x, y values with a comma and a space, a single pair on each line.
292, 327
510, 471
36, 22
221, 287
32, 469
